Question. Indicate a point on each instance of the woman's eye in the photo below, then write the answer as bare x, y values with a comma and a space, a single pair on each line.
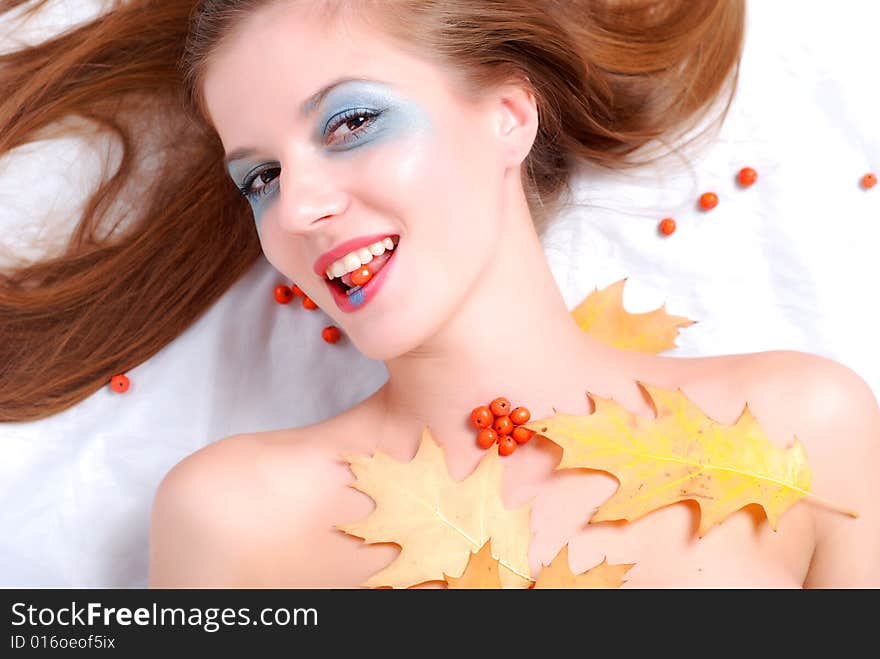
261, 182
357, 123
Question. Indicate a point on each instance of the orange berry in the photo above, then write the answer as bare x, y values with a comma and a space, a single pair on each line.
119, 383
747, 176
296, 290
500, 406
308, 303
869, 181
482, 417
506, 445
503, 425
520, 415
708, 201
331, 334
667, 226
283, 294
362, 276
487, 437
521, 435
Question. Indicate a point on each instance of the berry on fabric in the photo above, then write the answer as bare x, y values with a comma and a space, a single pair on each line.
708, 201
283, 294
331, 334
120, 383
747, 176
869, 180
667, 226
296, 290
308, 303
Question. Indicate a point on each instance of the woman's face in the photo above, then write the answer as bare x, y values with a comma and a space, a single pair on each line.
397, 153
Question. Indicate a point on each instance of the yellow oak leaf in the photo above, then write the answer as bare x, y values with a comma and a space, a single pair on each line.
559, 575
603, 316
681, 454
436, 520
481, 571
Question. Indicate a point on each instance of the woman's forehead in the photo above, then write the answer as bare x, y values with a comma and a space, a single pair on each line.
280, 61
299, 51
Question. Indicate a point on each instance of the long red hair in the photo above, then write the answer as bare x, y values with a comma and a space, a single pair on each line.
166, 233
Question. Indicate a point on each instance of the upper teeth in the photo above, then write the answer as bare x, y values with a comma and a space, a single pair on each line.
361, 256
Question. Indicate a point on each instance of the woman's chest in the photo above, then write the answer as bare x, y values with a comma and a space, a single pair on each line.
663, 545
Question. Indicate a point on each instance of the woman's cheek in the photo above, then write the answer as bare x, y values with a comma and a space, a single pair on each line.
259, 208
276, 248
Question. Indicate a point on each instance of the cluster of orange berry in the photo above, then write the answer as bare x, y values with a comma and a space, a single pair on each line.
498, 423
285, 294
746, 177
709, 200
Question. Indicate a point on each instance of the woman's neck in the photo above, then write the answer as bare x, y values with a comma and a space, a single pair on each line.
512, 336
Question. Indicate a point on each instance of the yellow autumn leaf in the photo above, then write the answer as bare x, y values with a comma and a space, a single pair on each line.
681, 454
559, 575
438, 521
603, 316
481, 571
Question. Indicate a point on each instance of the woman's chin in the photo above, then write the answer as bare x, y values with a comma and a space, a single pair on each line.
380, 351
383, 348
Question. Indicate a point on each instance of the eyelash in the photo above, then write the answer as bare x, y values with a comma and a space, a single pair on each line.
350, 115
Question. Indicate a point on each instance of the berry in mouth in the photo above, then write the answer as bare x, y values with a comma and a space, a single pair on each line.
352, 281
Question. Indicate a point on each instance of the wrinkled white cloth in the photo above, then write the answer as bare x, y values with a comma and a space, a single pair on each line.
789, 263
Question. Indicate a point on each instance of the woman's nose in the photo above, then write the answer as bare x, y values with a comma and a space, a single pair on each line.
309, 196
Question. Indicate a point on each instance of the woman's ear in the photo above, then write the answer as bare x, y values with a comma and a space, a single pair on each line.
517, 120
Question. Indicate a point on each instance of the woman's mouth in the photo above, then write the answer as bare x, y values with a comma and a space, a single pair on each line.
350, 296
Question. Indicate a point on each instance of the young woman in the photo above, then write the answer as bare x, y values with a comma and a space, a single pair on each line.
438, 136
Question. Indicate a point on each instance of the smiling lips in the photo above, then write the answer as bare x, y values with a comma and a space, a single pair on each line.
357, 297
339, 272
347, 256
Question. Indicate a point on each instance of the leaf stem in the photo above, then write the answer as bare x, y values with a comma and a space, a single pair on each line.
824, 502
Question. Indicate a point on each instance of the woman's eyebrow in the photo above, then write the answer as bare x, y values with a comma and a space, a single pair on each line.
306, 108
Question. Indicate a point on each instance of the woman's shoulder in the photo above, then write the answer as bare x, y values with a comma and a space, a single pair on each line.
256, 460
213, 512
834, 413
815, 388
788, 387
828, 406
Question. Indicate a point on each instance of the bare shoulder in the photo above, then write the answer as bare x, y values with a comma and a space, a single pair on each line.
819, 390
216, 512
234, 512
834, 413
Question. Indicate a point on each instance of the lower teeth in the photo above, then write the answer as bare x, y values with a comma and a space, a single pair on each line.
352, 290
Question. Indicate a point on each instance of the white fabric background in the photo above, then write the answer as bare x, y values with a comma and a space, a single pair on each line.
790, 263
